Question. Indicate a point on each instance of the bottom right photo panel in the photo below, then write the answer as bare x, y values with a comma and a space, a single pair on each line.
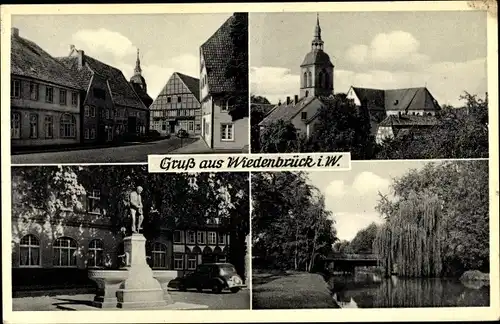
385, 234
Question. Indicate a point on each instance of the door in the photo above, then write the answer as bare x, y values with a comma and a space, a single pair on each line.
172, 127
132, 125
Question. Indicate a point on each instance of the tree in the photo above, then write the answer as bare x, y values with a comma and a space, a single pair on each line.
280, 137
460, 133
342, 127
290, 225
462, 189
237, 65
259, 108
363, 241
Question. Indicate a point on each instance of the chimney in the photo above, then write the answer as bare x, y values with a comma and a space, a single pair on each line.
296, 98
81, 58
72, 47
15, 32
279, 102
288, 100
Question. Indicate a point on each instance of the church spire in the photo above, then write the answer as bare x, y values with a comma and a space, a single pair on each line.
138, 69
317, 42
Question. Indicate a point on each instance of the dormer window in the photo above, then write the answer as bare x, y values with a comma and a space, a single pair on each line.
396, 102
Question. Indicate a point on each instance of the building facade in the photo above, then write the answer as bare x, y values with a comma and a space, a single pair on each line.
218, 95
177, 106
111, 109
45, 98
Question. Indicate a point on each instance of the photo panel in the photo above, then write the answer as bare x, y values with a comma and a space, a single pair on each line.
389, 88
116, 88
107, 237
386, 234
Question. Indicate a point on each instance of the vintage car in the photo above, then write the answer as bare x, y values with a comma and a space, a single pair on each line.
214, 276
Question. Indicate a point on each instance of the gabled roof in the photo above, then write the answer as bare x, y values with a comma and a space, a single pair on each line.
82, 76
410, 99
121, 91
29, 60
192, 83
409, 120
286, 112
216, 51
374, 98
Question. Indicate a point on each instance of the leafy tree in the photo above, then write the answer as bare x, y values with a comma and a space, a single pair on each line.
363, 241
341, 246
342, 127
462, 189
259, 108
291, 226
280, 137
237, 65
460, 133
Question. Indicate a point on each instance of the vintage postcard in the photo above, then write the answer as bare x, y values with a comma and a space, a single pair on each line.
275, 162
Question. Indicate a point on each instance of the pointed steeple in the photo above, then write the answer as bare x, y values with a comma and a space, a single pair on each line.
138, 69
317, 42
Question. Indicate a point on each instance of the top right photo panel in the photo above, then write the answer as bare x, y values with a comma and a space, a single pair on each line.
381, 85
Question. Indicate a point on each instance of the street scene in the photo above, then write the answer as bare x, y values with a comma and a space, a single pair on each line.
383, 235
82, 94
392, 88
118, 237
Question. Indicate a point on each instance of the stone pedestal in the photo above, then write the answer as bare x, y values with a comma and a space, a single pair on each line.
108, 282
140, 289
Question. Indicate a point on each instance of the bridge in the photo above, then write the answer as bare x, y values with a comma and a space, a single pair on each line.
349, 261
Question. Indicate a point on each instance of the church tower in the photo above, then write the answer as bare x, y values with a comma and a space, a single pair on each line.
316, 69
138, 81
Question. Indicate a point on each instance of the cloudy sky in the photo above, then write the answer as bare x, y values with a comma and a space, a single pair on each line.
168, 42
353, 195
444, 50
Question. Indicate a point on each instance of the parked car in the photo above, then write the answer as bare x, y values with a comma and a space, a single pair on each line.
214, 276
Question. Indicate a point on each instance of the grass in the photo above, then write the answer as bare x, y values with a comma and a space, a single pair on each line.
290, 290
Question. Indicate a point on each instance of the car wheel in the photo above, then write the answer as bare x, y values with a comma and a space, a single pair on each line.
216, 288
182, 287
235, 290
199, 288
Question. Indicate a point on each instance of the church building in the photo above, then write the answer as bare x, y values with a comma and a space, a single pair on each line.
139, 85
316, 89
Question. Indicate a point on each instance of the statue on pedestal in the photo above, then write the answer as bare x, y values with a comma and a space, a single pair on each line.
136, 209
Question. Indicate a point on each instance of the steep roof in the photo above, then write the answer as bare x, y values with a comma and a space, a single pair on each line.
409, 120
192, 83
374, 98
317, 57
143, 95
410, 99
217, 50
29, 60
121, 90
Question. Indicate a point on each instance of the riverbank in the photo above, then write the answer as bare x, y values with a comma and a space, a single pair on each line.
275, 289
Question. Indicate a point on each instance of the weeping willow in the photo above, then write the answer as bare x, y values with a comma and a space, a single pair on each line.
411, 238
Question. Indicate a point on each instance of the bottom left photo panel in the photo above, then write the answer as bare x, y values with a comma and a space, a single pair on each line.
116, 236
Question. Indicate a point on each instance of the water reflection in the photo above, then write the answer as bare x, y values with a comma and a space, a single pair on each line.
399, 292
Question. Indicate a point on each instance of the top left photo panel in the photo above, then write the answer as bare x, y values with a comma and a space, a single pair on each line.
117, 88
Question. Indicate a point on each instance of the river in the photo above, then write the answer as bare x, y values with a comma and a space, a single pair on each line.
401, 292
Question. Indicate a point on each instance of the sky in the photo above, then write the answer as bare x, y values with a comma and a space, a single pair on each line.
352, 195
445, 51
168, 42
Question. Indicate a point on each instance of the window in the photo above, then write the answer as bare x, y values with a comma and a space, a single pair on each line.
305, 80
29, 251
15, 89
211, 238
201, 237
48, 125
68, 126
221, 258
87, 111
33, 126
92, 133
191, 237
159, 255
92, 111
49, 94
309, 79
179, 99
15, 126
226, 132
94, 198
33, 91
177, 237
96, 254
108, 114
62, 97
198, 127
74, 98
87, 133
65, 252
169, 99
178, 261
191, 262
191, 126
220, 239
303, 115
